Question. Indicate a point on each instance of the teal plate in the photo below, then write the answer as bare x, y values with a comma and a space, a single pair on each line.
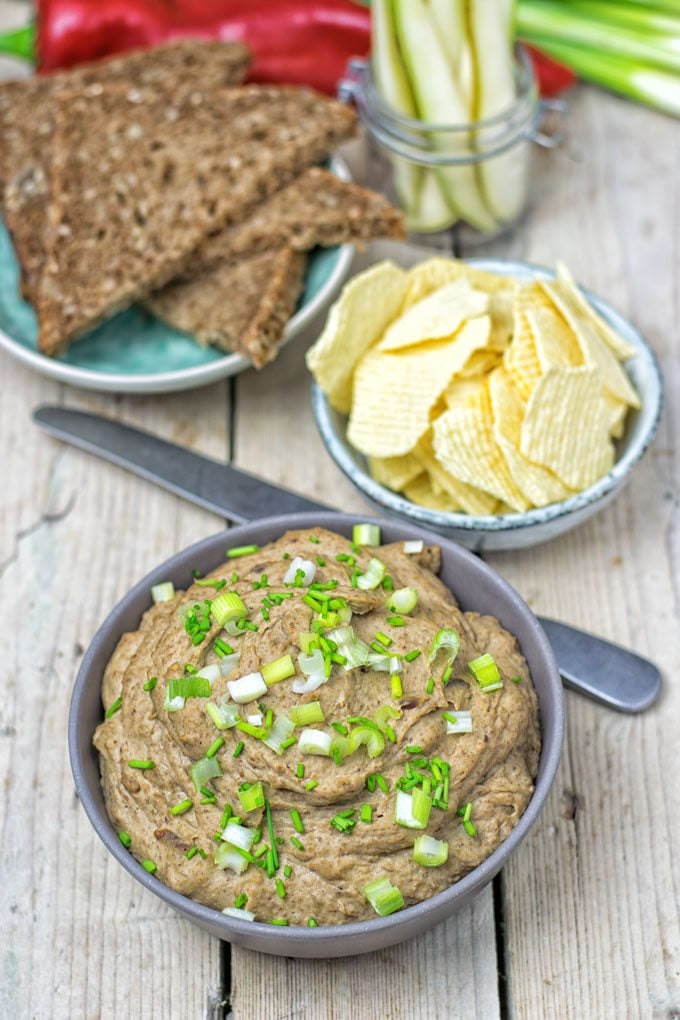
137, 353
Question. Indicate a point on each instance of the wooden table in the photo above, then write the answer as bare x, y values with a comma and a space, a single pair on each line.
584, 921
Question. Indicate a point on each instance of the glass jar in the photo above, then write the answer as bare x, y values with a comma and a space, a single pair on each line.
477, 175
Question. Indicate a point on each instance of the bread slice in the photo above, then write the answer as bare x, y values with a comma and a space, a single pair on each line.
137, 182
315, 209
26, 123
240, 307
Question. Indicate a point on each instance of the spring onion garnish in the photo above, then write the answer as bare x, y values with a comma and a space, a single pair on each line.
485, 672
150, 684
402, 601
251, 797
312, 784
516, 680
277, 670
126, 839
226, 607
238, 835
388, 583
214, 748
396, 686
191, 852
196, 620
366, 813
311, 923
395, 621
315, 742
384, 713
287, 871
247, 688
149, 866
242, 550
187, 687
280, 921
203, 770
369, 737
240, 901
466, 815
412, 655
279, 734
222, 649
344, 822
458, 722
412, 810
212, 582
316, 669
141, 763
228, 856
300, 770
237, 750
239, 913
350, 647
296, 820
372, 576
384, 897
430, 852
345, 558
415, 546
366, 534
225, 715
280, 889
113, 707
300, 573
272, 838
163, 592
182, 807
303, 715
384, 640
448, 640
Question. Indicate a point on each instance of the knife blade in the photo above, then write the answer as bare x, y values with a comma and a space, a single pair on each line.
226, 491
601, 670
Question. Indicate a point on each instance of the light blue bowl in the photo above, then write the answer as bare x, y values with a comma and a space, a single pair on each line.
516, 530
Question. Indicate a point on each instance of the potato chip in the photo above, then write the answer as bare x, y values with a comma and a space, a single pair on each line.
467, 497
464, 444
393, 394
556, 345
617, 411
465, 392
356, 321
595, 351
394, 472
480, 363
539, 485
420, 491
566, 426
520, 359
572, 293
437, 316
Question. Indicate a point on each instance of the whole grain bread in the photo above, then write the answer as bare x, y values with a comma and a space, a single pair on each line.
241, 307
315, 209
136, 182
26, 123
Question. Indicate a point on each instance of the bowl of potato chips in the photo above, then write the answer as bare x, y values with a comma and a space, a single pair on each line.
493, 401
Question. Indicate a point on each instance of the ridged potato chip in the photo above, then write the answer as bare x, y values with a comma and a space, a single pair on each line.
595, 351
617, 412
480, 363
572, 293
420, 491
466, 497
556, 345
395, 472
566, 426
464, 444
465, 392
437, 316
394, 393
521, 359
357, 320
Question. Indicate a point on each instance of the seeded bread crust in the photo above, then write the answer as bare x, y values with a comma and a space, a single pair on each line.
137, 182
241, 307
26, 124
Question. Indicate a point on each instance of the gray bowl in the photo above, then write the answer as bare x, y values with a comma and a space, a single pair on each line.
476, 586
515, 530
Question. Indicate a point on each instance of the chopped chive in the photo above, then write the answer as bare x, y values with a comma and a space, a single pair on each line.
383, 639
447, 675
320, 561
141, 763
113, 708
237, 750
272, 837
234, 577
280, 888
242, 550
314, 539
430, 685
312, 784
516, 680
340, 728
450, 718
413, 654
396, 685
288, 743
366, 813
287, 871
395, 621
296, 843
382, 783
265, 613
191, 852
182, 807
345, 558
469, 828
387, 583
300, 770
202, 853
310, 601
126, 839
214, 748
297, 821
414, 749
260, 850
222, 648
149, 866
311, 923
370, 783
281, 921
150, 684
240, 901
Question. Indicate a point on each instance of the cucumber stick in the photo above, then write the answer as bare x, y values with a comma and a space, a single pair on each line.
438, 101
502, 179
450, 22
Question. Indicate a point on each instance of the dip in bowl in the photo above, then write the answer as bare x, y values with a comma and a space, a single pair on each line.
325, 811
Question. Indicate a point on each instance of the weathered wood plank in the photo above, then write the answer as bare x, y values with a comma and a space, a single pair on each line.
591, 903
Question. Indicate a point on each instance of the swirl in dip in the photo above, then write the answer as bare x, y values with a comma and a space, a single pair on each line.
331, 754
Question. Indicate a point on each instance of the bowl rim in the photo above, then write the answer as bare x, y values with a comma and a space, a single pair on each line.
327, 934
395, 502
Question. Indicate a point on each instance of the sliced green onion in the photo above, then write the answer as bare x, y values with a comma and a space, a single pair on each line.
182, 807
141, 763
296, 820
252, 798
372, 576
303, 715
280, 889
279, 734
351, 647
485, 672
366, 534
113, 707
370, 738
395, 621
242, 550
366, 813
238, 749
191, 852
280, 921
187, 687
396, 686
306, 641
227, 606
278, 670
297, 844
414, 546
312, 784
449, 641
430, 852
384, 713
204, 770
150, 684
384, 897
149, 866
239, 913
247, 688
404, 600
214, 747
412, 655
126, 839
228, 856
225, 715
163, 592
300, 770
315, 742
412, 810
300, 573
458, 722
238, 835
516, 680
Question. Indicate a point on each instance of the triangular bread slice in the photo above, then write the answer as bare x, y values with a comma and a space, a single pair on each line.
137, 182
240, 307
26, 122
